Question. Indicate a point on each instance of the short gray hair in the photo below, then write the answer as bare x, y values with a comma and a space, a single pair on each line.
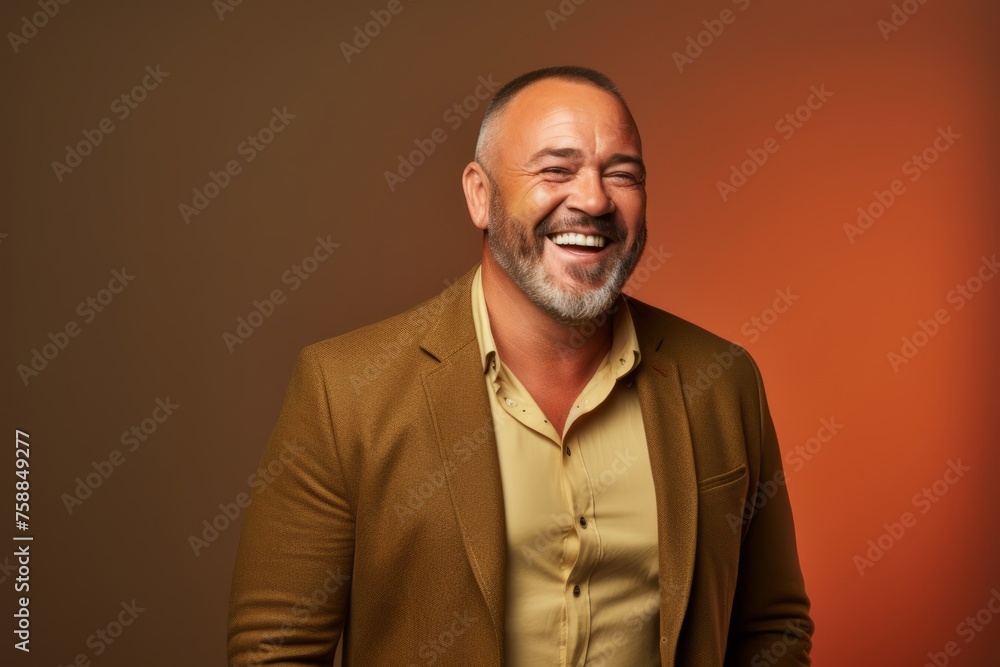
509, 91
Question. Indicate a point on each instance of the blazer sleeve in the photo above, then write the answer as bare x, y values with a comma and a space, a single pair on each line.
291, 582
770, 623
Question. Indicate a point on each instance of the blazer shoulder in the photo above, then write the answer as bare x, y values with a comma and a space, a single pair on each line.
693, 348
389, 341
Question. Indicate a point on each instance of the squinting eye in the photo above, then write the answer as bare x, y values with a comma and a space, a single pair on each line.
621, 175
554, 170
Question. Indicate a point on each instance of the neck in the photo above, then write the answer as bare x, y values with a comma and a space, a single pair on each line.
527, 338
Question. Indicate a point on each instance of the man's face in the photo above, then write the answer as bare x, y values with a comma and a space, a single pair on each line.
567, 162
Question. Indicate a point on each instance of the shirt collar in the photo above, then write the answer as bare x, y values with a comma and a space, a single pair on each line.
623, 357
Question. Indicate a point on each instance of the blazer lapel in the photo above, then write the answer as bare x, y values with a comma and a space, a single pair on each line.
460, 410
671, 457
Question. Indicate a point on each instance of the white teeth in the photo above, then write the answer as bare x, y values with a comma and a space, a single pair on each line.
571, 238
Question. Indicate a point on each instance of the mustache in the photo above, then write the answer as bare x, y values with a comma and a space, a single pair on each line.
603, 225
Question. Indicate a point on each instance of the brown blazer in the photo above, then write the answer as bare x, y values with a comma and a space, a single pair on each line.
382, 516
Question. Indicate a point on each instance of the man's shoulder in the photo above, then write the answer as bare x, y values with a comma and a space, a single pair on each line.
675, 329
388, 340
695, 350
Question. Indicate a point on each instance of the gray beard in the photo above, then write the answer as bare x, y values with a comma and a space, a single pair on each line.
520, 257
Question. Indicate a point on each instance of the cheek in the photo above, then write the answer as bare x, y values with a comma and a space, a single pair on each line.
631, 208
630, 199
537, 203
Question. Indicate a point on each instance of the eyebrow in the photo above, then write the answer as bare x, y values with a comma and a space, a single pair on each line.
628, 158
575, 153
568, 153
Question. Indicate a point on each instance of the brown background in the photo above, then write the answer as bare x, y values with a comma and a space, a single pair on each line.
324, 175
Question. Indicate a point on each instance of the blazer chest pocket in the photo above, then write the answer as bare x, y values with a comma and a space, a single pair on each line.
716, 481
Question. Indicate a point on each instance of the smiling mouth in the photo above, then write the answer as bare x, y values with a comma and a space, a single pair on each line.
572, 241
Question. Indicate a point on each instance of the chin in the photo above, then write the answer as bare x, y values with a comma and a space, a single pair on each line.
564, 305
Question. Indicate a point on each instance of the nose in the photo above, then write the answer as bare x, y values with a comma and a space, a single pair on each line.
589, 196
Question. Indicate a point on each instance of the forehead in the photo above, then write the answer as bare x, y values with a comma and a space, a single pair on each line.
555, 111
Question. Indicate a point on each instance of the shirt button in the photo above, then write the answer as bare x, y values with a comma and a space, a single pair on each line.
583, 521
576, 591
511, 402
568, 453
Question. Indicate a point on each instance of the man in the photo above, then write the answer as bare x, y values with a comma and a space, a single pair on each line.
530, 478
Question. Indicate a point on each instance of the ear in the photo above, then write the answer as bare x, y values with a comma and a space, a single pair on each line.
476, 185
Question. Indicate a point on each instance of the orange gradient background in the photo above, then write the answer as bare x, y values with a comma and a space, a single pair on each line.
825, 358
